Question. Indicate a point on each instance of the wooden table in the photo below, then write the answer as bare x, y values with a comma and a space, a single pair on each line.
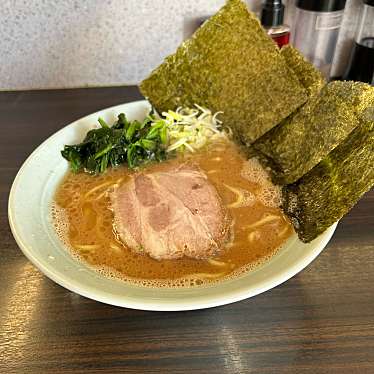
320, 321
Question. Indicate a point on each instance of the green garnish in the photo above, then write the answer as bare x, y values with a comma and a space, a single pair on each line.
135, 143
124, 142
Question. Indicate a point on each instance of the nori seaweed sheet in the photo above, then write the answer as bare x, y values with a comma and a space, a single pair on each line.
310, 77
305, 138
330, 189
230, 64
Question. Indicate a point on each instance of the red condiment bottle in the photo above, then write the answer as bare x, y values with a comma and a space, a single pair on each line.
272, 20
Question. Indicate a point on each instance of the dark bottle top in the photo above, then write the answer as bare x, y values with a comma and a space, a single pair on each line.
321, 5
361, 64
272, 19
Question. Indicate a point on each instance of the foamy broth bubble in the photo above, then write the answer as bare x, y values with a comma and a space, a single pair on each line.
60, 222
268, 194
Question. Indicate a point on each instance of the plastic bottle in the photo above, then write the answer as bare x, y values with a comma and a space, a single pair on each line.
316, 30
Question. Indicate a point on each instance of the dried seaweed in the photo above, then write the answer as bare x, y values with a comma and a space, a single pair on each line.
304, 139
313, 82
308, 75
330, 189
231, 65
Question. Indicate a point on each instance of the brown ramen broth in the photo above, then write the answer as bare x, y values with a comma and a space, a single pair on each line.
84, 221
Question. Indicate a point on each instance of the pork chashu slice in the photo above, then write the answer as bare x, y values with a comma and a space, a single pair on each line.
171, 214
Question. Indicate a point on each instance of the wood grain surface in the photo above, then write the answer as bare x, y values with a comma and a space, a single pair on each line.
320, 321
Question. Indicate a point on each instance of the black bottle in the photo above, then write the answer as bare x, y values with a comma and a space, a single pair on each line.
361, 64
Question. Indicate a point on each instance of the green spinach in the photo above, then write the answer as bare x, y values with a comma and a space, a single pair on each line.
131, 142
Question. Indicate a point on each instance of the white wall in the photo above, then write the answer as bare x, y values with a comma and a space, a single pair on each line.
77, 43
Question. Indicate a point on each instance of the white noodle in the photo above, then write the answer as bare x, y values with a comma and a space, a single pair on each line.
216, 263
97, 188
263, 221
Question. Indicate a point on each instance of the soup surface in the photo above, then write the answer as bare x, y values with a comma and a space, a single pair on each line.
84, 221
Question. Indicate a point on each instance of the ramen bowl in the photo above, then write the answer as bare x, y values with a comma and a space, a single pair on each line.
33, 228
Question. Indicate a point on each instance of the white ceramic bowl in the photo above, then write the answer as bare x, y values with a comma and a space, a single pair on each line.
31, 224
